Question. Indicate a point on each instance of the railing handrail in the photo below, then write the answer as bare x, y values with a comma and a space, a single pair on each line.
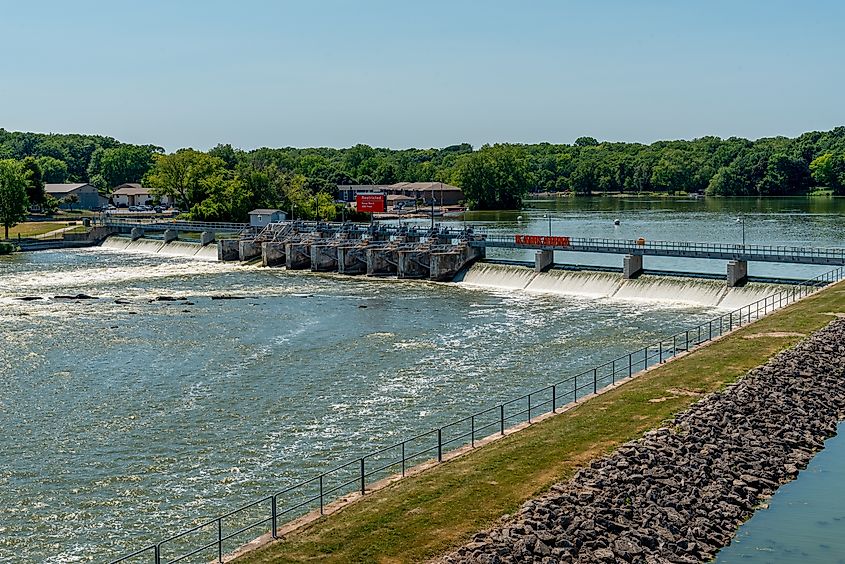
627, 363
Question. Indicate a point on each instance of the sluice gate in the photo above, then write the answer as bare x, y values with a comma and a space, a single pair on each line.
353, 249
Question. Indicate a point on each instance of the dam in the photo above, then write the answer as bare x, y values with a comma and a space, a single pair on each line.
212, 402
440, 253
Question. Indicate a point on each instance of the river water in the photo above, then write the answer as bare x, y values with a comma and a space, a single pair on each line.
124, 422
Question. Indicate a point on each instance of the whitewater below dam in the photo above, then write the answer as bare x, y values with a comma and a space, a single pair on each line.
154, 403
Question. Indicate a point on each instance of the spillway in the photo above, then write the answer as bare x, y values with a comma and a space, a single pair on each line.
670, 289
158, 247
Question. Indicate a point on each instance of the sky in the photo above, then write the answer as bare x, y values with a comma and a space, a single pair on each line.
181, 73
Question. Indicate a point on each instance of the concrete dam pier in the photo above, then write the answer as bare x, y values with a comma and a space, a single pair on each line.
409, 254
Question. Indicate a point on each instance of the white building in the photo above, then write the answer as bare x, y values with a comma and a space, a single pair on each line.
133, 194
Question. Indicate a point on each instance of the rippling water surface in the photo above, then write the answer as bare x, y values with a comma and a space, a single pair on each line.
124, 422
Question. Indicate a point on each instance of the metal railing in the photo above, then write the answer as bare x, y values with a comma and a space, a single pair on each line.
207, 539
214, 226
679, 248
481, 237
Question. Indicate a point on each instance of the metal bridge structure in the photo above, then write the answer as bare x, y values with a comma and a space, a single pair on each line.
738, 256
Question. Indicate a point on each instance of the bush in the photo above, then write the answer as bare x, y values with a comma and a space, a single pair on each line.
6, 248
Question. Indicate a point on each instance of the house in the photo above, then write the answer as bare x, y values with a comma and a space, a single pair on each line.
262, 217
133, 194
87, 196
443, 194
396, 201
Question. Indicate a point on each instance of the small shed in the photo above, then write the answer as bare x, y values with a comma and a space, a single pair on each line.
262, 218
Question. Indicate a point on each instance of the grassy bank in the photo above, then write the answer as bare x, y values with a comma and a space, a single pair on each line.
33, 228
430, 513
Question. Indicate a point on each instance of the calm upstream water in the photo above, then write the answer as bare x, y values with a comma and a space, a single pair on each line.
125, 422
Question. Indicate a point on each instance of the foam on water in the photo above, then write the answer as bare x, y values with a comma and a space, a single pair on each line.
680, 290
579, 283
609, 285
498, 276
153, 246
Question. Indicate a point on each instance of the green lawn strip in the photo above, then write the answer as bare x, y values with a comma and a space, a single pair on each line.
426, 515
31, 229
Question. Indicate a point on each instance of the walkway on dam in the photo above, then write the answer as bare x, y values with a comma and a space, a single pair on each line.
480, 238
412, 247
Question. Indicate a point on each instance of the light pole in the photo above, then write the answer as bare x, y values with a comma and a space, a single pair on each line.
741, 219
548, 215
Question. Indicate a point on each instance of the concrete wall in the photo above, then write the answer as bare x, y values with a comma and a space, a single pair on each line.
323, 258
248, 250
414, 264
632, 266
273, 254
382, 261
298, 256
227, 250
351, 259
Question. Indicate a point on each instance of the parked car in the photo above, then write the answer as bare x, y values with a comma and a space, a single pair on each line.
134, 208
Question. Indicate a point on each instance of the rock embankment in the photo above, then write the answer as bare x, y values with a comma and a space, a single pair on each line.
679, 493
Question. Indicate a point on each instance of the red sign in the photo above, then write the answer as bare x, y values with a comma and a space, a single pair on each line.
373, 203
541, 240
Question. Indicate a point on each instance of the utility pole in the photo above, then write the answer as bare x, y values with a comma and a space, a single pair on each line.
432, 208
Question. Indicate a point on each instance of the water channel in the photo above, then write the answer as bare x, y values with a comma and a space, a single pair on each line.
125, 422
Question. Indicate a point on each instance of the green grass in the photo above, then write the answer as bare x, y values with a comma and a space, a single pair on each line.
428, 514
33, 228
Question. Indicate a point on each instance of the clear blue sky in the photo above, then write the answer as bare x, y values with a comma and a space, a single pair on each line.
420, 74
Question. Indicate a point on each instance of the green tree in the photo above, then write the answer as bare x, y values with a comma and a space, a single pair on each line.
672, 172
35, 190
585, 177
495, 177
586, 142
71, 200
226, 153
53, 171
14, 202
828, 170
186, 176
50, 205
114, 166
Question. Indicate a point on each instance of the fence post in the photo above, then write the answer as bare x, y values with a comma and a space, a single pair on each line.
157, 554
502, 419
613, 373
630, 368
674, 345
529, 408
575, 388
595, 380
472, 431
362, 477
220, 539
273, 515
661, 353
554, 398
439, 445
403, 459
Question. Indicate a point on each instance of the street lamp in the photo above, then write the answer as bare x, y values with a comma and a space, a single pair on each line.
741, 219
548, 215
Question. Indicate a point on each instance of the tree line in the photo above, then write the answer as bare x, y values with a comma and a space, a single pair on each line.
224, 183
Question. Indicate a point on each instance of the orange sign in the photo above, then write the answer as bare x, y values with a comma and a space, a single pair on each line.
541, 240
